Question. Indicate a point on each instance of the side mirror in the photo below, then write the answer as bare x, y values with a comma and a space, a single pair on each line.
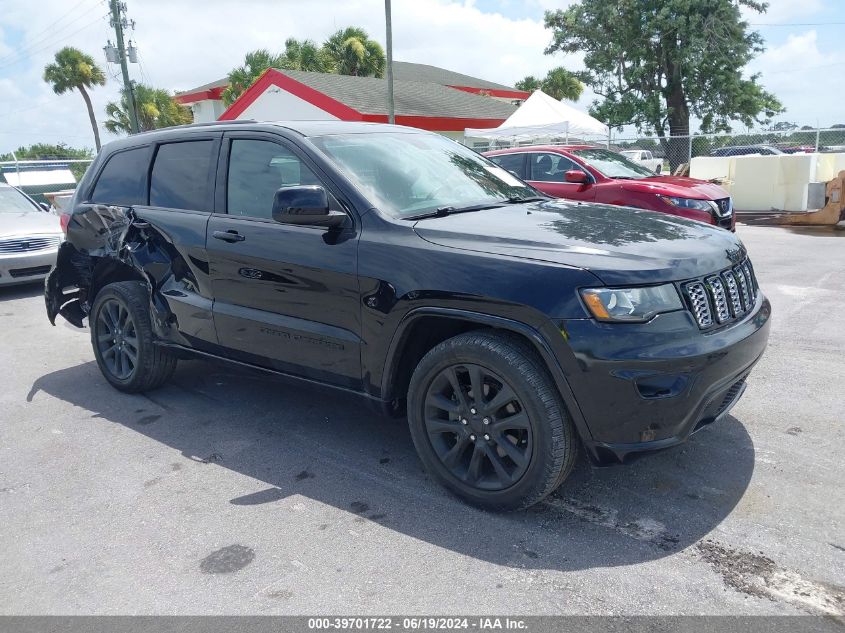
576, 176
305, 205
45, 206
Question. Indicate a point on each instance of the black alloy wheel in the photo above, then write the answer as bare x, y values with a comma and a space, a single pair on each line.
123, 340
478, 427
488, 421
117, 339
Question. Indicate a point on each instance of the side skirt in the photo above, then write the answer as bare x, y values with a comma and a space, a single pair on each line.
381, 406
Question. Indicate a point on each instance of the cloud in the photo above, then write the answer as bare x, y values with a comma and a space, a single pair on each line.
805, 79
185, 43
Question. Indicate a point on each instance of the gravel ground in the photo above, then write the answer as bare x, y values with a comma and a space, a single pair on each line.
234, 492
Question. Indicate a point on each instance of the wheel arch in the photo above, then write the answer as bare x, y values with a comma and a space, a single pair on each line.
404, 352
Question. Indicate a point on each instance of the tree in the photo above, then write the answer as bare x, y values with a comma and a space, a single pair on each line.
45, 151
73, 69
305, 55
352, 52
155, 109
558, 83
655, 63
242, 77
529, 84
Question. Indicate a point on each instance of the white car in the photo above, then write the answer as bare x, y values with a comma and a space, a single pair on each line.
644, 158
29, 238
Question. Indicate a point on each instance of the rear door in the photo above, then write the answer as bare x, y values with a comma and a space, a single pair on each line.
172, 197
286, 296
546, 171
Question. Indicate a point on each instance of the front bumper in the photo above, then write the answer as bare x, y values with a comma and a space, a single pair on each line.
26, 267
646, 387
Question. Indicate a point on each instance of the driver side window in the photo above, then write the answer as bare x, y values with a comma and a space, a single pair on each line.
256, 170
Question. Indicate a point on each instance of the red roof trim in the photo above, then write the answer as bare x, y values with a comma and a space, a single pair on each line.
435, 123
494, 92
215, 94
273, 77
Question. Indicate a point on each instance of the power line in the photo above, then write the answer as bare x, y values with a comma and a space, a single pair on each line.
41, 40
51, 44
37, 36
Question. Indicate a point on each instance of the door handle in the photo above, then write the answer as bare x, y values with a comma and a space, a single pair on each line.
228, 236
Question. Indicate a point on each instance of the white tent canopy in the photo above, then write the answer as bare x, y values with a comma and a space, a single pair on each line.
542, 116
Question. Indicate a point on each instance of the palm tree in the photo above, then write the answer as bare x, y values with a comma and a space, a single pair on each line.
154, 106
354, 53
74, 69
529, 84
305, 55
242, 77
562, 84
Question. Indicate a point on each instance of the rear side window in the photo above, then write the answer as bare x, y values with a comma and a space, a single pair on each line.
123, 180
510, 162
181, 177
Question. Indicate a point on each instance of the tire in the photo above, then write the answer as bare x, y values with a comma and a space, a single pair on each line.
534, 455
115, 345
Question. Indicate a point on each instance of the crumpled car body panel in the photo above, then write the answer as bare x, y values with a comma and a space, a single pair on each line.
113, 242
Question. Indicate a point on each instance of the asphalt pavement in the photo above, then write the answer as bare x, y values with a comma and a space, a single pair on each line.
234, 492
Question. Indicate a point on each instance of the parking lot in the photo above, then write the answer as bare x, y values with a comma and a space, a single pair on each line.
234, 492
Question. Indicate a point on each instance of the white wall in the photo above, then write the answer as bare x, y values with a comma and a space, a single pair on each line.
275, 104
207, 110
763, 183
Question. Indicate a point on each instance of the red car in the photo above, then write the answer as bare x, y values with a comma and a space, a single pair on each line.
582, 172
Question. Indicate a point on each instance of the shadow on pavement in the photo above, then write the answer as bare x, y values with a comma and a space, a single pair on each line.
22, 291
328, 446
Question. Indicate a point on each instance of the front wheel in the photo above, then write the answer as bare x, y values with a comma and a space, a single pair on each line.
122, 338
488, 422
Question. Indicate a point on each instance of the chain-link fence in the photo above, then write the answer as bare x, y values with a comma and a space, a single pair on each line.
45, 180
677, 151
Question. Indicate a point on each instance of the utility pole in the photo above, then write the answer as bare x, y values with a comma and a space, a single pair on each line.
119, 22
390, 109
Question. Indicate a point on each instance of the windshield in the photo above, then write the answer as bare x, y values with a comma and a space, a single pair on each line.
611, 164
13, 201
409, 174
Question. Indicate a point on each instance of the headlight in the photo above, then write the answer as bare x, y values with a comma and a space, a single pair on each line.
689, 203
631, 304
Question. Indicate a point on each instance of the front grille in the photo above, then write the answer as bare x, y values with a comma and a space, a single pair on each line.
719, 299
699, 304
29, 272
725, 207
26, 244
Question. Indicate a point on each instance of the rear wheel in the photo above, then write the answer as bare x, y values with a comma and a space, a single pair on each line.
122, 338
488, 422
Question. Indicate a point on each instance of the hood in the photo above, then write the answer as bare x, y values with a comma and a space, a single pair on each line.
677, 186
29, 223
619, 245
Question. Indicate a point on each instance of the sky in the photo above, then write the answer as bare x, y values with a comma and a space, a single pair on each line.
185, 43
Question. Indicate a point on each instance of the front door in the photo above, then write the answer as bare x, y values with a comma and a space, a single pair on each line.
285, 296
546, 172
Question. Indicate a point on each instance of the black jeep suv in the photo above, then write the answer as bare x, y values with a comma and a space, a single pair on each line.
404, 267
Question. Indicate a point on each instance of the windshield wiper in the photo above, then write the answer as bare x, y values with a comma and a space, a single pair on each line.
518, 200
444, 211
